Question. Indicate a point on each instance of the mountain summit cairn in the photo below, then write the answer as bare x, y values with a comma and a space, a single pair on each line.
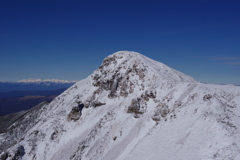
135, 108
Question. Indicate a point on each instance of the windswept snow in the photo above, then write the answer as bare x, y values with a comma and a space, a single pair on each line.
135, 109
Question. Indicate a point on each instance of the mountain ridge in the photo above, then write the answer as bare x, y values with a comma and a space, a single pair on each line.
135, 108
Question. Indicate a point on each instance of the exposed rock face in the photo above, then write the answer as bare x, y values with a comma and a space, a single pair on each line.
4, 156
75, 114
19, 153
136, 106
207, 97
97, 104
117, 80
161, 111
15, 155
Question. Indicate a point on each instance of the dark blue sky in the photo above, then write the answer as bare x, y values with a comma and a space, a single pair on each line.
65, 39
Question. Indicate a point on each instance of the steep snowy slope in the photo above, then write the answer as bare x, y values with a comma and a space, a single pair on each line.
135, 108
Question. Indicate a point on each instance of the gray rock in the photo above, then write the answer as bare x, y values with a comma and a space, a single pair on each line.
207, 97
75, 114
135, 107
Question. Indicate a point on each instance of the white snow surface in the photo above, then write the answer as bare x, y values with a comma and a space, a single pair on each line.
178, 118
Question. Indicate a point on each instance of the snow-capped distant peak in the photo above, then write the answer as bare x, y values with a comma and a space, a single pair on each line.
31, 80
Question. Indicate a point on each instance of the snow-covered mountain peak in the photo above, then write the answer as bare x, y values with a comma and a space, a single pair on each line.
125, 71
124, 62
135, 108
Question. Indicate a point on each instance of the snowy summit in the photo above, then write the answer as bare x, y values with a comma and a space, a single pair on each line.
135, 108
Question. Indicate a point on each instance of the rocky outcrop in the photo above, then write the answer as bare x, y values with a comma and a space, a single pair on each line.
4, 156
16, 155
95, 104
107, 61
207, 97
75, 114
19, 153
120, 81
149, 94
136, 107
161, 111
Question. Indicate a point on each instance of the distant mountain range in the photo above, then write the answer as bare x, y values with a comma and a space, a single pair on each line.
25, 94
31, 80
35, 84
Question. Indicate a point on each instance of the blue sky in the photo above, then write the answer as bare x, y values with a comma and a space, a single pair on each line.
66, 39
